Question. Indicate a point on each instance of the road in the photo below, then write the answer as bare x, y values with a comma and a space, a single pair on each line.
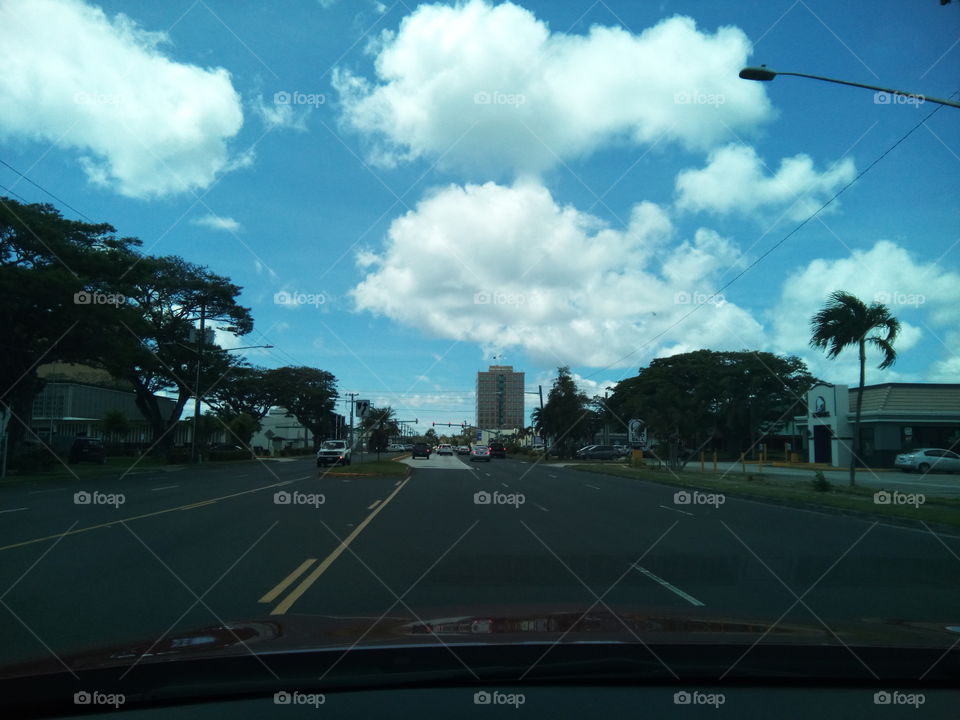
201, 546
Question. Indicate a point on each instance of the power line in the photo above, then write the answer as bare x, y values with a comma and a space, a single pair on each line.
44, 190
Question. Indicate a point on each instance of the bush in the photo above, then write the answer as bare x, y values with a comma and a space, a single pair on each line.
34, 459
221, 455
180, 456
292, 452
820, 482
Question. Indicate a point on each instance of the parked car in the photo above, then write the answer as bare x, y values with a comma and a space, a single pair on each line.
480, 453
408, 447
927, 460
600, 452
421, 450
584, 449
463, 450
444, 449
497, 450
88, 450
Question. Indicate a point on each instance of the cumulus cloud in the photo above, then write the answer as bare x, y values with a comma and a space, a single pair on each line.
736, 181
216, 222
141, 123
506, 266
490, 87
924, 296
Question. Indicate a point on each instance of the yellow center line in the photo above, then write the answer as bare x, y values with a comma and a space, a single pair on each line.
372, 505
149, 514
287, 581
282, 608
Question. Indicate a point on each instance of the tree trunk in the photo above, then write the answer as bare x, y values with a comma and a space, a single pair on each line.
856, 422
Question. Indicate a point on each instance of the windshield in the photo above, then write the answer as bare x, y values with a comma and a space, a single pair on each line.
353, 324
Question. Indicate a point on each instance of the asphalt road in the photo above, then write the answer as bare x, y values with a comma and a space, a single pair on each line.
200, 546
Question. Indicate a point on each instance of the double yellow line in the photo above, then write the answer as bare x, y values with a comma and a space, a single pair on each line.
315, 574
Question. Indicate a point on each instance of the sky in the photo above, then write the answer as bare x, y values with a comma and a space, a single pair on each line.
408, 193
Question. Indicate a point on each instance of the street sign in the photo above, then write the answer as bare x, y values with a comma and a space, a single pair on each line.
637, 433
362, 407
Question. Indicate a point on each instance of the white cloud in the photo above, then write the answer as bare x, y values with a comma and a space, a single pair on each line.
924, 296
735, 180
507, 266
488, 86
280, 114
216, 222
142, 123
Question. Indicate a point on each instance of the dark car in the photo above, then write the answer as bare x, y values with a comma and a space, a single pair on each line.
421, 450
498, 450
88, 450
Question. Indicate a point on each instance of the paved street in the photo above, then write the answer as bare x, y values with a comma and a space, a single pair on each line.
199, 546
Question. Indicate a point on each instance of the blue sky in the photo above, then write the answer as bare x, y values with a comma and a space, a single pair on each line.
545, 182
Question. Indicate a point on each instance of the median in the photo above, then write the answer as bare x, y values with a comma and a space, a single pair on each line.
887, 503
368, 469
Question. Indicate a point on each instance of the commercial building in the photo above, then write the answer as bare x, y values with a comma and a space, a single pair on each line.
894, 417
500, 399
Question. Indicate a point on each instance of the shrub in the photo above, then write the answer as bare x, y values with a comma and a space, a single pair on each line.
820, 482
221, 455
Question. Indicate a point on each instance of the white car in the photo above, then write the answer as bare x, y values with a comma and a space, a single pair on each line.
926, 459
444, 449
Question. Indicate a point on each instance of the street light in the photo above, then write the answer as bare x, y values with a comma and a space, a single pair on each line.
765, 74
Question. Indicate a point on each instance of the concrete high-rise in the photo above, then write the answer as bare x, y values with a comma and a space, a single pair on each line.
500, 398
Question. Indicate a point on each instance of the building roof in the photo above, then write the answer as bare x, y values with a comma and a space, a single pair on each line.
908, 397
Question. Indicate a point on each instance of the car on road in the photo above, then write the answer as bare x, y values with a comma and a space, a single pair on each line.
480, 453
420, 450
600, 452
88, 450
584, 449
498, 450
463, 450
926, 460
333, 452
444, 449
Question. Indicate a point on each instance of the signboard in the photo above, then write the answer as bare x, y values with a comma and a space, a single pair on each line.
637, 433
362, 407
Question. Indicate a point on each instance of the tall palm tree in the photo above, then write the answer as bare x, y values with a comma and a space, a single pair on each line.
845, 321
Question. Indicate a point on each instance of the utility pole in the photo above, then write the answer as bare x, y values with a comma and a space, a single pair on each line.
352, 396
196, 402
543, 433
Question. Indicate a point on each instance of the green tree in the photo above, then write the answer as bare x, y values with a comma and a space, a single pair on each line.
846, 321
115, 423
310, 395
566, 417
380, 424
242, 428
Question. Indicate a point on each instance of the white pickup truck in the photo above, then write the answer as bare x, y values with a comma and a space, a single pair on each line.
333, 452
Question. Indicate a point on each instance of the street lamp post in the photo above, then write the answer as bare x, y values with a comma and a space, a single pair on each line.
765, 74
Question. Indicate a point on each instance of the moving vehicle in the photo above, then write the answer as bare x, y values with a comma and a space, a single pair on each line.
88, 450
421, 450
333, 452
498, 450
463, 450
444, 449
480, 453
928, 460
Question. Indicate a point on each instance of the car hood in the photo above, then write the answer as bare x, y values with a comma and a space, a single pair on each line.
495, 626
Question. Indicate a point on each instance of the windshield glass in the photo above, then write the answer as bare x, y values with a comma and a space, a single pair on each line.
478, 321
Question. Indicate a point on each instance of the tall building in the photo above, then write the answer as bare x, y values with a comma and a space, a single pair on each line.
500, 398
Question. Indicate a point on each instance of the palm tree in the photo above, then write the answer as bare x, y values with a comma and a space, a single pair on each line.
845, 321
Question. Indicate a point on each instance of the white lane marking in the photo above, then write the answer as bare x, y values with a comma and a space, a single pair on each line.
672, 588
594, 487
524, 462
487, 474
503, 484
541, 507
12, 510
165, 487
551, 475
676, 510
372, 505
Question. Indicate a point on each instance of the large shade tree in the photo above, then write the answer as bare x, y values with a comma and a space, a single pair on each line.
846, 321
